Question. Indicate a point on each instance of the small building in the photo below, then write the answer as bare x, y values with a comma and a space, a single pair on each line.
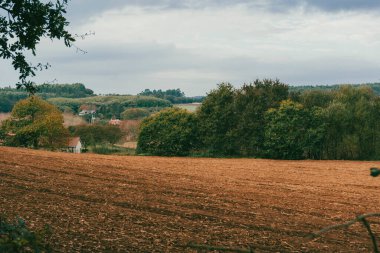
114, 122
87, 112
74, 145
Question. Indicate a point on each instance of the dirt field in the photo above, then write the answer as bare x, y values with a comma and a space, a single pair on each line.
147, 204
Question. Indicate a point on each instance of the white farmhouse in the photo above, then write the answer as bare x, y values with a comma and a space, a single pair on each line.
74, 145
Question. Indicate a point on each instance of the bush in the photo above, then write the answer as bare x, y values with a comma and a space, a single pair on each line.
16, 237
170, 132
98, 134
135, 113
112, 150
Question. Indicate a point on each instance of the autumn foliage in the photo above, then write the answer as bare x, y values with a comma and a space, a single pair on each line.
35, 123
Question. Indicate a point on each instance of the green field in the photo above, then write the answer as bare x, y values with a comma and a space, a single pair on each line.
190, 107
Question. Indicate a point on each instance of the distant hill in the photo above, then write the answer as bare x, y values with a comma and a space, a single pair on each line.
375, 87
9, 96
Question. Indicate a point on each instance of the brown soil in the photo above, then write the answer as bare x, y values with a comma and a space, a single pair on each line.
149, 204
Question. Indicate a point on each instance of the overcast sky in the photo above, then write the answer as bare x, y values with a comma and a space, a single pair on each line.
195, 44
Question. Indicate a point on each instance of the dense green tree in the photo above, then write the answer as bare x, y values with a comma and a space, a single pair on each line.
218, 119
22, 25
135, 113
93, 135
316, 98
293, 132
112, 134
352, 121
170, 132
252, 101
36, 123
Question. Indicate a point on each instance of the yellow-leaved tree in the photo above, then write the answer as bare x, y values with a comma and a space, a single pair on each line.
35, 123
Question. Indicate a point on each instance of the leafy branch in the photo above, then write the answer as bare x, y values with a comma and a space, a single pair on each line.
22, 28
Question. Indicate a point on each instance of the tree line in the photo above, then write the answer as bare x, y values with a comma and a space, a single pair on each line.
110, 106
264, 119
10, 96
175, 96
374, 86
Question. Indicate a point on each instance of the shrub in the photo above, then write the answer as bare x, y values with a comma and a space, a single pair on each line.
98, 134
16, 237
135, 113
170, 132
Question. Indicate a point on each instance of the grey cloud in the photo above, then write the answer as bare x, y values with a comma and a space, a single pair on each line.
130, 68
89, 6
80, 10
337, 5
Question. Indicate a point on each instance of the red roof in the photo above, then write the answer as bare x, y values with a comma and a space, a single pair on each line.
73, 142
114, 122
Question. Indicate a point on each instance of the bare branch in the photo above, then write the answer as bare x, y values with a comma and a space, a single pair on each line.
371, 235
83, 36
344, 225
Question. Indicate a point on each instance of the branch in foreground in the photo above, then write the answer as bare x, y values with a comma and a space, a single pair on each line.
344, 225
360, 218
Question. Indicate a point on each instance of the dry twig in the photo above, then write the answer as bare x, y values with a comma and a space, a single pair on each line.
361, 219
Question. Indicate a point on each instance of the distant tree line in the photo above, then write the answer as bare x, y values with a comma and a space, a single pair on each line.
110, 106
75, 90
176, 96
264, 119
10, 96
374, 86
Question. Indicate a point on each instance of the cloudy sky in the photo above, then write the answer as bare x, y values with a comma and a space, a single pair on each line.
195, 44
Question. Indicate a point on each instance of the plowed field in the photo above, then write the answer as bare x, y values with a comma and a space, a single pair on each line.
149, 204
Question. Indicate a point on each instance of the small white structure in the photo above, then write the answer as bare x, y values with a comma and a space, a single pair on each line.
86, 112
74, 145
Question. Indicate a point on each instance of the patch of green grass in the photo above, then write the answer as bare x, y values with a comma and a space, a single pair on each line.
190, 107
112, 150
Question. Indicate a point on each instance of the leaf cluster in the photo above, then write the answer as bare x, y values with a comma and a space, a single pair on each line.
16, 237
22, 25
